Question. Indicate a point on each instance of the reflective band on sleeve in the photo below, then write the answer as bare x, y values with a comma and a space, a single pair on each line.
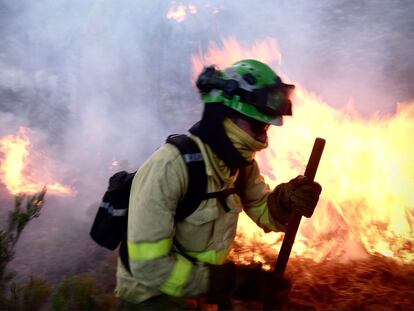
149, 250
260, 215
179, 277
192, 157
212, 257
113, 211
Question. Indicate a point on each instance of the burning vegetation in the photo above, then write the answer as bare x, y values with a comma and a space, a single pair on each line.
179, 11
357, 251
366, 172
14, 167
373, 283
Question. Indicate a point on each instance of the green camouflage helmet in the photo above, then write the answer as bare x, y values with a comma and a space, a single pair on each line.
250, 87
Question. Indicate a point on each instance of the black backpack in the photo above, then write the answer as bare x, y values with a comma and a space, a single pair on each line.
109, 228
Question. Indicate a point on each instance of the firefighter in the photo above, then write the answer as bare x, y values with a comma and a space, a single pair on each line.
169, 260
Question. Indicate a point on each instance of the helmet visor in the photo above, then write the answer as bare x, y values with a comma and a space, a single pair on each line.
280, 99
275, 100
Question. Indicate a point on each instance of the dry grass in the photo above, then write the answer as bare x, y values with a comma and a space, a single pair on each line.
375, 283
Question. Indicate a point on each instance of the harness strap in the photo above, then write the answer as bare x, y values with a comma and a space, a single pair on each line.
197, 185
197, 178
221, 197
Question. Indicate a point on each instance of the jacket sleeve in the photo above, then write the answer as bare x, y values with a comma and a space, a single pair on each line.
155, 192
254, 191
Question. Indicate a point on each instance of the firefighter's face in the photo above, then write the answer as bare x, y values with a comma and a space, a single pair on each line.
256, 129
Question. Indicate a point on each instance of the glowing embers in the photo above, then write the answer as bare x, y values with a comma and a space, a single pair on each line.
15, 170
367, 172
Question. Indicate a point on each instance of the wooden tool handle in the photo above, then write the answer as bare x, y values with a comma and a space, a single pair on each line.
295, 218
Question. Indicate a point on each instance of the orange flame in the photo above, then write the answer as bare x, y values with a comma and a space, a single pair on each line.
13, 167
178, 12
266, 51
367, 172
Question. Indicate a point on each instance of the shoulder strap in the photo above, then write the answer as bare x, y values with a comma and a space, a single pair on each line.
197, 184
221, 196
197, 178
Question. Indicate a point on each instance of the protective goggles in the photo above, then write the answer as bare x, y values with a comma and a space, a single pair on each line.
273, 100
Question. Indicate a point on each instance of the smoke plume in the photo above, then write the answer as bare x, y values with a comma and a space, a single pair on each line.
104, 81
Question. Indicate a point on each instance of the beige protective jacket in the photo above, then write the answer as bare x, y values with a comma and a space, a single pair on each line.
157, 266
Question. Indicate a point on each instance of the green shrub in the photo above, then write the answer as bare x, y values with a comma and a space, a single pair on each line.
77, 292
29, 296
33, 294
18, 219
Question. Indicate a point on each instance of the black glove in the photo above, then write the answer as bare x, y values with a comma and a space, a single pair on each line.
300, 194
245, 282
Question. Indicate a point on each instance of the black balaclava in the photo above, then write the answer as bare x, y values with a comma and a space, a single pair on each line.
211, 131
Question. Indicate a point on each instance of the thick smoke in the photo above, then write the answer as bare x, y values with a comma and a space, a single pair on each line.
98, 81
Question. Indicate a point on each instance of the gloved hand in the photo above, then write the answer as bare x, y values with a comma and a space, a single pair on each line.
300, 194
244, 282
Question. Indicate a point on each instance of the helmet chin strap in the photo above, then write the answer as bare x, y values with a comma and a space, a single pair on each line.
211, 131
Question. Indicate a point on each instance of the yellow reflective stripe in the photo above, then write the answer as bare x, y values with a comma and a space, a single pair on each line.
260, 214
179, 277
149, 250
211, 257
